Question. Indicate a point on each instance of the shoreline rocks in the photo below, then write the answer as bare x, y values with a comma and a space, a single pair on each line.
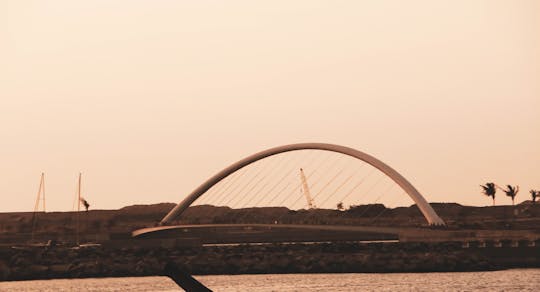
60, 262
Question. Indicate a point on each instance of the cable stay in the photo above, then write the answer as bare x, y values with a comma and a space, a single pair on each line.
309, 176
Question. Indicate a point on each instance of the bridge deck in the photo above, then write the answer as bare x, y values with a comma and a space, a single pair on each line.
371, 229
287, 231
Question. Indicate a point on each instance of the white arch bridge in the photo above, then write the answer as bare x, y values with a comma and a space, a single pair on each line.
427, 211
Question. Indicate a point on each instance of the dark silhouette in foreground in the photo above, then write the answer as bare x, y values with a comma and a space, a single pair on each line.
184, 279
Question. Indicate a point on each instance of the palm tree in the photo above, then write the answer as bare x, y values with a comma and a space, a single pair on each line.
511, 192
534, 194
489, 190
340, 206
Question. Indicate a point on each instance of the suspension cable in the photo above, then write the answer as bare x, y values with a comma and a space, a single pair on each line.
310, 174
238, 198
242, 216
296, 186
225, 193
274, 168
274, 186
338, 188
376, 201
358, 184
277, 195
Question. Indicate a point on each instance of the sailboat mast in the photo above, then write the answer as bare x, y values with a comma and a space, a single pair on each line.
43, 190
36, 207
40, 190
78, 207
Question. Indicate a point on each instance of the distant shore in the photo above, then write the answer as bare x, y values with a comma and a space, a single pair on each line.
346, 257
103, 225
120, 255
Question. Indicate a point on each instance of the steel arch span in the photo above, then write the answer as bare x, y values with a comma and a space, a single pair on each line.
426, 209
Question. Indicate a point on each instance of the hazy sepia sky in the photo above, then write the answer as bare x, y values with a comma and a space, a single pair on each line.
149, 98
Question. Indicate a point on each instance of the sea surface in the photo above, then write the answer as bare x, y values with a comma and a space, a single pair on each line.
509, 280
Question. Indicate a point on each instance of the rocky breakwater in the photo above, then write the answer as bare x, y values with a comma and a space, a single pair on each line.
60, 262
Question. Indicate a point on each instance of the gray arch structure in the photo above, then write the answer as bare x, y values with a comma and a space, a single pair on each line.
426, 209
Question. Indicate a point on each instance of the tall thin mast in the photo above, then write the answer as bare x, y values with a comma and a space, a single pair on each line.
78, 206
41, 190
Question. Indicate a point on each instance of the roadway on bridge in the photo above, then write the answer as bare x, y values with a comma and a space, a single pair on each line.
403, 233
371, 229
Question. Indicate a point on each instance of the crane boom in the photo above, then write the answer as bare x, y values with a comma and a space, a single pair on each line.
305, 190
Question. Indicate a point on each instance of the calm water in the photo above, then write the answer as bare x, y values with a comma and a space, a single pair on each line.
511, 280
